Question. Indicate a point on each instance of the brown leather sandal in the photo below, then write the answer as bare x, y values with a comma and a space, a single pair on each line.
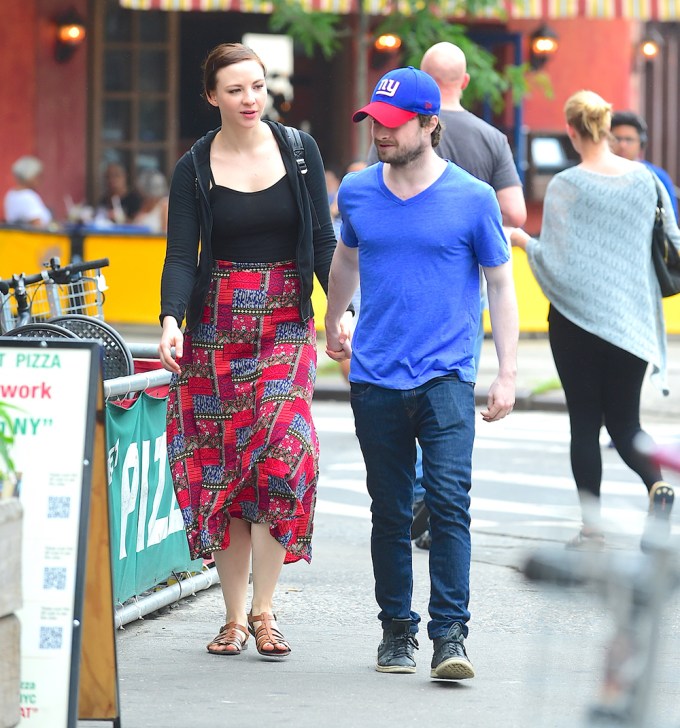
267, 633
231, 635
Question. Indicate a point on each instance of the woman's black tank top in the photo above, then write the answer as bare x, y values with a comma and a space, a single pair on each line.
254, 227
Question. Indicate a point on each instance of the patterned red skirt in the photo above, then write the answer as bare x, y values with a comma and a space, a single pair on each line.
241, 441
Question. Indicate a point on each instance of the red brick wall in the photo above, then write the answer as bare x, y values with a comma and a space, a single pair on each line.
592, 54
17, 87
43, 104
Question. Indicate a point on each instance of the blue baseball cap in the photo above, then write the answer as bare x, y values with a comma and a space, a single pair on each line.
399, 96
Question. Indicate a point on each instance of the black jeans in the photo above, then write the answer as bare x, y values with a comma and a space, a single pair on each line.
602, 385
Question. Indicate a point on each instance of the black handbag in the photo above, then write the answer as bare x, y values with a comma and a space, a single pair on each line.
665, 255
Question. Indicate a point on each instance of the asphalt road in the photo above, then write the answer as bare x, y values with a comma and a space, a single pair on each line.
538, 652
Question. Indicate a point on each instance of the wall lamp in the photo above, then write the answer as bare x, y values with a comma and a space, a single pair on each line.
385, 48
387, 42
70, 35
543, 44
651, 44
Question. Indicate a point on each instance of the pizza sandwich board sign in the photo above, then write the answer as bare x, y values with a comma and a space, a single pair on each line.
54, 390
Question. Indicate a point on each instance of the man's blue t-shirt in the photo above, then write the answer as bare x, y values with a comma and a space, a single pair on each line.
419, 274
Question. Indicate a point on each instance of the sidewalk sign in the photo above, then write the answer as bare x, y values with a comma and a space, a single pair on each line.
55, 386
148, 541
98, 696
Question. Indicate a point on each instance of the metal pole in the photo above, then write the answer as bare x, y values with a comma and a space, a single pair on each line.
136, 382
165, 596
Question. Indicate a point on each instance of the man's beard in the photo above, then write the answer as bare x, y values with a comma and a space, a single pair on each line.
401, 158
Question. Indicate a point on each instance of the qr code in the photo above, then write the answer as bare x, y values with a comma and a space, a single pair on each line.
51, 638
54, 577
58, 506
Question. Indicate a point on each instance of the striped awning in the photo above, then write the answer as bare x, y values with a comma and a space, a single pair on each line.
240, 6
645, 10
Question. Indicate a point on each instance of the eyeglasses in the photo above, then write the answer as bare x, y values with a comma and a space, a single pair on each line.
626, 139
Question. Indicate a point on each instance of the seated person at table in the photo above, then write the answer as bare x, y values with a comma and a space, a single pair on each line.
153, 213
23, 204
118, 204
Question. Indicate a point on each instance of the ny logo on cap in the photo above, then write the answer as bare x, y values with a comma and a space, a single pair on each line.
387, 87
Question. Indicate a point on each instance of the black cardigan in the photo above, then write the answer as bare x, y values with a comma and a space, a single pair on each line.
187, 271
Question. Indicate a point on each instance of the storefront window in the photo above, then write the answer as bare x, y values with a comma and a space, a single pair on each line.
117, 71
134, 91
152, 126
116, 126
117, 25
153, 27
153, 75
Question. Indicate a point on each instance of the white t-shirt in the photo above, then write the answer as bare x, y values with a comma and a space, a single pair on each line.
24, 206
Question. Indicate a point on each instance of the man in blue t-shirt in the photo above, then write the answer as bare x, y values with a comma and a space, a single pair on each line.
416, 228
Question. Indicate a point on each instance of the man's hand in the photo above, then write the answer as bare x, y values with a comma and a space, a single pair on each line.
339, 338
171, 337
505, 326
501, 399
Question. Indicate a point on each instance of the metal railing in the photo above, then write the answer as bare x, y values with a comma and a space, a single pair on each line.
162, 595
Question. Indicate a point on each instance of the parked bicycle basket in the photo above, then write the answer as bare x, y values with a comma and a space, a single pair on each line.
56, 292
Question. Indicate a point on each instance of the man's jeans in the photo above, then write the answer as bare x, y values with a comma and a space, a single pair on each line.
441, 415
418, 490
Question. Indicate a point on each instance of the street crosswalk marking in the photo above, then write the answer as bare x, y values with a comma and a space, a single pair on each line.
531, 480
347, 509
556, 482
624, 501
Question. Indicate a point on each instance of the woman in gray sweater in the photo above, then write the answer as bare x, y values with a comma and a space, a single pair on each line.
593, 263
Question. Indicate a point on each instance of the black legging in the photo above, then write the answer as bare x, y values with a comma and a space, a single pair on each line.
602, 384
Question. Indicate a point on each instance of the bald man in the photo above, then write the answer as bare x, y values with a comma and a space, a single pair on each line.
477, 147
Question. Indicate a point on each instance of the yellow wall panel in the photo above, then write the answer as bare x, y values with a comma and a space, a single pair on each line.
133, 276
25, 251
136, 263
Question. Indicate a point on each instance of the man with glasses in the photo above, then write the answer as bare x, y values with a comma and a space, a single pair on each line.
629, 136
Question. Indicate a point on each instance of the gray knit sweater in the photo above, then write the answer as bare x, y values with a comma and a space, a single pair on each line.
593, 259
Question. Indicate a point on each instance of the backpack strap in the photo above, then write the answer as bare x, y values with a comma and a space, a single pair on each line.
295, 143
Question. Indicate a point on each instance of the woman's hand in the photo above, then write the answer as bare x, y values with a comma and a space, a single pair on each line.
347, 324
519, 239
171, 337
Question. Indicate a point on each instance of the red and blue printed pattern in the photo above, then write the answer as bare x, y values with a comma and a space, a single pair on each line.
241, 441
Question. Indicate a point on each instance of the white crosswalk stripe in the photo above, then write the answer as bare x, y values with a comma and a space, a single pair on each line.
521, 499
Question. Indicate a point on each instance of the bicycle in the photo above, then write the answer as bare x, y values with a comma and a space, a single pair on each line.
61, 302
52, 292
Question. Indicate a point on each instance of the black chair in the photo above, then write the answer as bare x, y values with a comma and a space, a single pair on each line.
41, 331
116, 357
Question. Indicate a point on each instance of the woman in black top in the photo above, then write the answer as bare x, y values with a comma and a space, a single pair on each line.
242, 447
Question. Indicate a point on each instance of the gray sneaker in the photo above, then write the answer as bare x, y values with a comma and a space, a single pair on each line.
450, 661
395, 652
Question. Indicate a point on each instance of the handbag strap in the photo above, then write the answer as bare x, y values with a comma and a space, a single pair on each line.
659, 202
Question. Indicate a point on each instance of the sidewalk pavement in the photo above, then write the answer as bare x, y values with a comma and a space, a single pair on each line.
538, 653
538, 385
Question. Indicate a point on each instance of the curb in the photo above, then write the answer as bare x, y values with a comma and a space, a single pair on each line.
338, 391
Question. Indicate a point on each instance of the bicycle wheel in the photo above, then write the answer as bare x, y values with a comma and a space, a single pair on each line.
117, 360
41, 331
